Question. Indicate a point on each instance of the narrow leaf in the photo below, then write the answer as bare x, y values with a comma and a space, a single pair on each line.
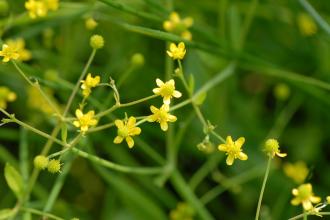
14, 180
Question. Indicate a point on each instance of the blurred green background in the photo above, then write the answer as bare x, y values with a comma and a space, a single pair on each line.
267, 96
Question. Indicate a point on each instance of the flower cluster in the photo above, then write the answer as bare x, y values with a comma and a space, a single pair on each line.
40, 8
6, 95
89, 83
179, 26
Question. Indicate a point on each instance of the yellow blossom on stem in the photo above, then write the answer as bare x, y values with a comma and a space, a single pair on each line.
161, 116
6, 96
233, 149
306, 24
126, 129
177, 52
54, 166
19, 46
8, 53
84, 121
272, 148
304, 195
89, 83
178, 26
166, 90
52, 4
297, 171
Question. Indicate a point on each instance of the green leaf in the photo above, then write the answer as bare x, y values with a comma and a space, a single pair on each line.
200, 98
6, 213
64, 132
14, 180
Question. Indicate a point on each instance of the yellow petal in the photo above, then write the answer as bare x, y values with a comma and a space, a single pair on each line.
239, 142
156, 91
295, 192
167, 100
131, 122
173, 47
135, 131
119, 123
171, 118
242, 156
153, 109
229, 140
130, 141
177, 94
230, 160
79, 113
315, 199
159, 82
281, 154
118, 140
222, 147
76, 124
164, 126
307, 205
295, 201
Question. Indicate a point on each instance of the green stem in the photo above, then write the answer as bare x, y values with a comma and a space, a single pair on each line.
37, 86
304, 214
309, 8
116, 106
37, 212
117, 167
76, 88
248, 22
263, 188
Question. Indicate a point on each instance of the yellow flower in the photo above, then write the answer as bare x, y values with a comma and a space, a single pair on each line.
19, 46
304, 195
54, 166
233, 149
84, 121
6, 96
271, 147
90, 24
8, 53
306, 24
178, 26
36, 8
52, 4
177, 52
89, 83
166, 90
328, 199
297, 171
162, 116
40, 8
126, 129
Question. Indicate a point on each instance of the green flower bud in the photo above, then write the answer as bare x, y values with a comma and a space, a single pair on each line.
96, 42
54, 166
137, 59
40, 162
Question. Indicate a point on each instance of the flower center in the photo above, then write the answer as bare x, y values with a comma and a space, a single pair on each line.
123, 132
167, 89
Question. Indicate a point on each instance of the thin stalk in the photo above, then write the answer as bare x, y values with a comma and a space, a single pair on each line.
37, 212
263, 188
304, 214
117, 167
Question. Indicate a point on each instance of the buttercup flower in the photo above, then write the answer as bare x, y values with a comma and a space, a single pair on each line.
88, 83
6, 96
179, 26
177, 52
304, 195
19, 46
40, 8
162, 116
297, 171
166, 90
233, 149
328, 199
8, 53
84, 121
271, 147
306, 24
126, 129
